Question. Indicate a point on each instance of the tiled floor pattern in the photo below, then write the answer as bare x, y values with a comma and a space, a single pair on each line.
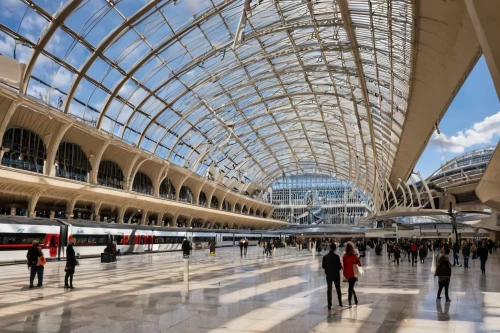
286, 293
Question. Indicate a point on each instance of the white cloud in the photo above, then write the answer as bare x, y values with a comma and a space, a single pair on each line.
481, 133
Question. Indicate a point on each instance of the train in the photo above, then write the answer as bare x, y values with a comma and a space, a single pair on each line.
17, 234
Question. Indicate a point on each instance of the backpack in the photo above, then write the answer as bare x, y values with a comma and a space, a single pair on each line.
444, 269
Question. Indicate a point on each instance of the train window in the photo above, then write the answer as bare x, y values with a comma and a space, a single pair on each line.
90, 240
118, 239
21, 238
227, 238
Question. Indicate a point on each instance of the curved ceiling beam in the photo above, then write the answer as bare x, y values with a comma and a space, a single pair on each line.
56, 21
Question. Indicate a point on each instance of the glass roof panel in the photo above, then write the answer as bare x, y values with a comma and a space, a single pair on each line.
295, 89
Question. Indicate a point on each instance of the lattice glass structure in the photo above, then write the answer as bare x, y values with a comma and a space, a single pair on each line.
254, 88
316, 199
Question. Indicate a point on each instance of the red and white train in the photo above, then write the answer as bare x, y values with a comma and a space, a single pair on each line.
17, 234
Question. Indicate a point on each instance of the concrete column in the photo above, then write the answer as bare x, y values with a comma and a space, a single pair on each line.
144, 217
485, 17
12, 211
52, 213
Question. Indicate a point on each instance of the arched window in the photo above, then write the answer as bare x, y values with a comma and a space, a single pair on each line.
23, 149
214, 203
142, 184
257, 212
250, 212
244, 210
167, 190
185, 194
202, 200
226, 205
264, 215
72, 163
110, 175
237, 208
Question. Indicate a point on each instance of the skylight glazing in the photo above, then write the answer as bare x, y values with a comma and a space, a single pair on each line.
311, 86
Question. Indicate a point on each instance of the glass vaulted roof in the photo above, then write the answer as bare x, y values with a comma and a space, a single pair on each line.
258, 89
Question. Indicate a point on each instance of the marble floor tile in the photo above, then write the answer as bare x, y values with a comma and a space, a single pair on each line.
281, 294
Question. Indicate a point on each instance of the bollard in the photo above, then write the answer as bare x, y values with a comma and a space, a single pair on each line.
186, 270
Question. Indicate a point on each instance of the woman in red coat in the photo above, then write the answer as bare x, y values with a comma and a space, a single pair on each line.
348, 261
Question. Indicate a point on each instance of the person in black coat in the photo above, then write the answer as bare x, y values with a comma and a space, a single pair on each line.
71, 263
241, 245
186, 248
482, 253
332, 267
245, 245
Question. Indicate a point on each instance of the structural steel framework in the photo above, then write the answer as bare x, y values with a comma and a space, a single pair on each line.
256, 89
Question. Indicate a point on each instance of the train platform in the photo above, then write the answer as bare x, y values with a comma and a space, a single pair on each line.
227, 293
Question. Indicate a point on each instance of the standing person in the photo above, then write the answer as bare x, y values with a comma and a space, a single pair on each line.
421, 253
466, 255
348, 260
397, 254
408, 250
33, 255
446, 248
414, 253
332, 267
245, 245
240, 244
268, 249
186, 248
389, 249
443, 272
473, 249
482, 253
212, 248
456, 253
71, 263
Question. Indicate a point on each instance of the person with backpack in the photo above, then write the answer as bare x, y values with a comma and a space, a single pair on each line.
186, 248
36, 262
443, 272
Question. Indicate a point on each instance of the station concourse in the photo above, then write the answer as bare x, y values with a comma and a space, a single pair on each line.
186, 165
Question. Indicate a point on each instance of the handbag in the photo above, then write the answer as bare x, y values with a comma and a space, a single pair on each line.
358, 270
41, 261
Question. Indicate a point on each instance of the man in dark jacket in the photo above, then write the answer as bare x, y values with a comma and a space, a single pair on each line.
33, 254
482, 253
186, 248
332, 267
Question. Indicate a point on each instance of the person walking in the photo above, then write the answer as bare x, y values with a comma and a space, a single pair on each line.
414, 253
71, 263
466, 254
332, 267
456, 254
482, 253
269, 248
240, 244
245, 246
443, 272
348, 260
35, 259
421, 253
408, 250
397, 254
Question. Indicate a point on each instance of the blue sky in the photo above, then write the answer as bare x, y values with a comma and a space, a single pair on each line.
471, 122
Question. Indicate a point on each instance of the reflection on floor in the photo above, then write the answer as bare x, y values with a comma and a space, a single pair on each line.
227, 293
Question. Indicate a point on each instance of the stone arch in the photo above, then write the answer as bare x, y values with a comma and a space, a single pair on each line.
110, 175
23, 149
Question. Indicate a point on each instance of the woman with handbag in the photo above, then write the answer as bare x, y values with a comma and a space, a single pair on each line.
351, 273
71, 263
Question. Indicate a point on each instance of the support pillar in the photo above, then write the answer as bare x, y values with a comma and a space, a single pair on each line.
12, 211
485, 17
144, 217
52, 214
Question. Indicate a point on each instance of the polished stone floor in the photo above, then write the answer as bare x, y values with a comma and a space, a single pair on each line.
286, 293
